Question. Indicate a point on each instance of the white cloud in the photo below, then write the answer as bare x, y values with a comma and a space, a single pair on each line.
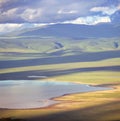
9, 27
10, 12
31, 15
105, 10
42, 11
4, 28
67, 12
56, 11
10, 15
90, 20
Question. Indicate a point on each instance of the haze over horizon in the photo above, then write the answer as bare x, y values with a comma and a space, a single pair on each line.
21, 14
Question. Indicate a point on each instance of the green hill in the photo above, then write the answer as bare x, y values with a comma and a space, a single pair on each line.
52, 46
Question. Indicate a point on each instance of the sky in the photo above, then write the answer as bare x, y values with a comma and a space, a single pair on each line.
21, 14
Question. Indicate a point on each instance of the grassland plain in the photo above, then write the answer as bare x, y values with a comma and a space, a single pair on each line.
102, 105
91, 106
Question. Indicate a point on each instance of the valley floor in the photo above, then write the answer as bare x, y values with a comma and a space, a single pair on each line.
92, 106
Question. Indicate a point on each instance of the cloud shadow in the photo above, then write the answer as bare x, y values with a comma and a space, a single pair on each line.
84, 57
25, 75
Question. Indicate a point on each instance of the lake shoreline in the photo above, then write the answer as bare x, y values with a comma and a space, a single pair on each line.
68, 103
58, 98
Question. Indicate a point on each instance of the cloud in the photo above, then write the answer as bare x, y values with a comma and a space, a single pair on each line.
67, 12
44, 10
9, 13
31, 15
4, 28
20, 14
90, 20
9, 27
105, 10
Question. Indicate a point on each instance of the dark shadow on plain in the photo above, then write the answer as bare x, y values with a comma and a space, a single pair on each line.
93, 113
11, 119
87, 114
25, 75
84, 57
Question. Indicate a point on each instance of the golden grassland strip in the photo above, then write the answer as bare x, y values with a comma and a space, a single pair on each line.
94, 77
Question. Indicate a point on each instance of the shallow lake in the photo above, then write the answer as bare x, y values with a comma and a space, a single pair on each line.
25, 94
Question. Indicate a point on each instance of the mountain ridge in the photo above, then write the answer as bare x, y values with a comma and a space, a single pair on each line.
75, 31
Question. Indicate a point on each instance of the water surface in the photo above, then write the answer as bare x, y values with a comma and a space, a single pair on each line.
25, 94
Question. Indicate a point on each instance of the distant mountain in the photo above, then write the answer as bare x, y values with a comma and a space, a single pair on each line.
75, 31
115, 18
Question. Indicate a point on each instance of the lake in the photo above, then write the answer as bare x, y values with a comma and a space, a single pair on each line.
26, 94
